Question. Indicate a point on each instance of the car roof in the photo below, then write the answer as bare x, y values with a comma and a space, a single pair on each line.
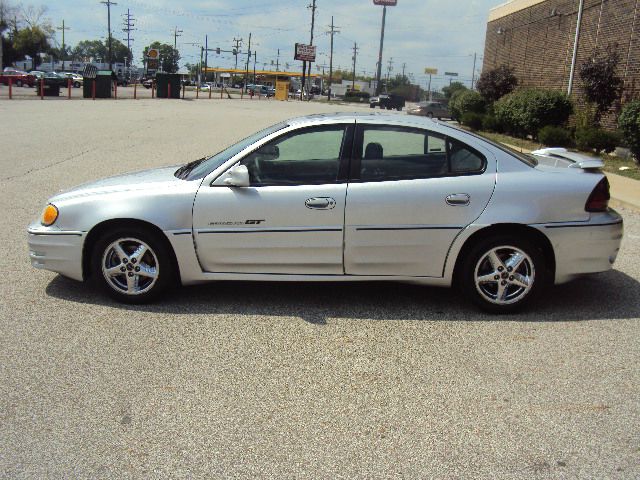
367, 117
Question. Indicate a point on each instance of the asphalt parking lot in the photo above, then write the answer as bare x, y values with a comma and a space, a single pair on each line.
289, 380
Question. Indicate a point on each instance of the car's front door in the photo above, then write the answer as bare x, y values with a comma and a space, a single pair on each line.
290, 219
412, 192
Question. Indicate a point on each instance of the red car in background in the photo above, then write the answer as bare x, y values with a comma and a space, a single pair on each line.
18, 78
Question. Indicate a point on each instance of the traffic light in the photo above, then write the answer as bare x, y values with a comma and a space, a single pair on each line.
235, 52
218, 50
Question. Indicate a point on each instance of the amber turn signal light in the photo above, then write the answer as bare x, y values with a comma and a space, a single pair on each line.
50, 215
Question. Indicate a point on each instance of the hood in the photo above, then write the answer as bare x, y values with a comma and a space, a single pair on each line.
157, 178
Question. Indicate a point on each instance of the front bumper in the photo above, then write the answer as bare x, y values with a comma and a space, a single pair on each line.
56, 250
586, 247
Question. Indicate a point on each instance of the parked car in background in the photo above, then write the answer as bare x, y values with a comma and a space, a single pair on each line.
428, 203
76, 79
37, 73
18, 78
430, 109
388, 101
147, 83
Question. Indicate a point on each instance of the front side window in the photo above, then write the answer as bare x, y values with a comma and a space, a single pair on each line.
398, 153
304, 157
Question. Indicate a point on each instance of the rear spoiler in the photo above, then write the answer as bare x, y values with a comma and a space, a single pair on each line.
580, 160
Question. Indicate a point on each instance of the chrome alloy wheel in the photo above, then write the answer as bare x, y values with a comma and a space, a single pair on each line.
504, 275
130, 266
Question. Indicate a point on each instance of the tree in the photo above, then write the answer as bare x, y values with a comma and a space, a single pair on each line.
453, 88
94, 49
7, 52
602, 86
496, 83
168, 56
32, 41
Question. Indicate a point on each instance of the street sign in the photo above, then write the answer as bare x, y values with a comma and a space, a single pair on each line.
153, 53
431, 71
450, 74
305, 53
386, 3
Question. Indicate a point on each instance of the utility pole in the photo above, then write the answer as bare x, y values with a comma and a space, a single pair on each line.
64, 52
404, 65
246, 70
355, 56
255, 59
331, 32
128, 27
389, 70
238, 42
206, 55
278, 62
379, 73
108, 3
304, 62
473, 74
176, 33
576, 42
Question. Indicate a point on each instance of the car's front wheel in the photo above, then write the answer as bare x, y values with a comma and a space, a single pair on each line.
76, 84
502, 274
132, 265
18, 83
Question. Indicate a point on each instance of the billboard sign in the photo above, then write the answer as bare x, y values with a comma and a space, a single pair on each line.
450, 74
431, 71
386, 3
305, 53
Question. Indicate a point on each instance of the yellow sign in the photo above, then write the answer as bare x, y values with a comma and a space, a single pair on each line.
282, 90
431, 71
153, 53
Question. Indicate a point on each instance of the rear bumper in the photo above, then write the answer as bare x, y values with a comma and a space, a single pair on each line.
585, 247
56, 250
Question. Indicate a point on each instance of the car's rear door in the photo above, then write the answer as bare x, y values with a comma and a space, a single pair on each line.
411, 193
290, 220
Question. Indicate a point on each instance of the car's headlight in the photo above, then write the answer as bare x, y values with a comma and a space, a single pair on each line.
49, 215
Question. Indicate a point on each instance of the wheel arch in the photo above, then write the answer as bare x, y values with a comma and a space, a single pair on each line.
99, 229
511, 229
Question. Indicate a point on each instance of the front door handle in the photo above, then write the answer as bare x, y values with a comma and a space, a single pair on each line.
458, 199
320, 203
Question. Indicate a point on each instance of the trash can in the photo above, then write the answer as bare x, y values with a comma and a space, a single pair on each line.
103, 80
163, 80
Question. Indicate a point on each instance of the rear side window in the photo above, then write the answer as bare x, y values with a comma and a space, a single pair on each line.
399, 153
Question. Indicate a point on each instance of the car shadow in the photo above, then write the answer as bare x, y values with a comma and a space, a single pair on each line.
610, 295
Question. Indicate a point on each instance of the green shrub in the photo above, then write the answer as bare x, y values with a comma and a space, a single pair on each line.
472, 120
356, 96
555, 136
629, 124
524, 112
491, 124
466, 101
593, 138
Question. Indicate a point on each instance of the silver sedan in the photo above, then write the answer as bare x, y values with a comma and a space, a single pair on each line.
355, 197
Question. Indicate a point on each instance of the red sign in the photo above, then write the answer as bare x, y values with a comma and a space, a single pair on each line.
305, 53
386, 3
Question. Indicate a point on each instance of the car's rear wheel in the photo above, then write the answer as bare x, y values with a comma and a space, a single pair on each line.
430, 114
132, 265
76, 84
502, 274
18, 83
372, 106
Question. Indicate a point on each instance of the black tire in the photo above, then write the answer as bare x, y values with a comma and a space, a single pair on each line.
158, 257
372, 106
430, 114
76, 84
399, 109
477, 265
18, 83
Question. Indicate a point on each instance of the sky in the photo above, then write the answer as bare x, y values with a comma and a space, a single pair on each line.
442, 34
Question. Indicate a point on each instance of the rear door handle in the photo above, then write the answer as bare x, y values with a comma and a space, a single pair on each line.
458, 199
320, 203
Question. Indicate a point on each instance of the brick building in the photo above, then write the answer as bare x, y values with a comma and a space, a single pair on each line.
536, 38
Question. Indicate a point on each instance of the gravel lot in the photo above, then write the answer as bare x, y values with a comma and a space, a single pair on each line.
289, 380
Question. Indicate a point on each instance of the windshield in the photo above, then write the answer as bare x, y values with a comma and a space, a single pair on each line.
201, 168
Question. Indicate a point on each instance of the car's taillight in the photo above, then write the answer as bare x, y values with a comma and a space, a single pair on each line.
599, 198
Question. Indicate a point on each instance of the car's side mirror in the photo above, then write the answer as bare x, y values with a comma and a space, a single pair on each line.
237, 176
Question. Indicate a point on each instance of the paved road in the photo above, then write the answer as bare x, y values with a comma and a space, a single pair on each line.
285, 380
